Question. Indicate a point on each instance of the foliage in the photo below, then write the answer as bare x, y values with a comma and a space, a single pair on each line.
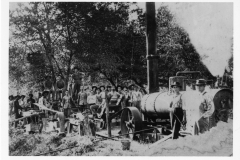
99, 39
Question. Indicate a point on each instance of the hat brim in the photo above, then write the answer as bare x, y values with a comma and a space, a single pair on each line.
102, 87
120, 87
176, 85
44, 92
94, 87
201, 84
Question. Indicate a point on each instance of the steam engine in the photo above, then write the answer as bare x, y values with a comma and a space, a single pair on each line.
154, 112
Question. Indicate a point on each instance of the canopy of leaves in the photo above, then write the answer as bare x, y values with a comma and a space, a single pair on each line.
99, 39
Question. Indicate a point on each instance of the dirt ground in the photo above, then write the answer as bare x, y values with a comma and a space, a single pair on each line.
217, 142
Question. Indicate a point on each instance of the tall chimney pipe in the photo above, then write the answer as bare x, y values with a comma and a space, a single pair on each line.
152, 57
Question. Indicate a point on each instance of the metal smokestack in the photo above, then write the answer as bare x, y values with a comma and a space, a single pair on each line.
152, 57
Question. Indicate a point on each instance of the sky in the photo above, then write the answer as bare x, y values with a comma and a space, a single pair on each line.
210, 28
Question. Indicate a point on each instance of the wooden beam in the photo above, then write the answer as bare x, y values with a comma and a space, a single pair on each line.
15, 120
107, 116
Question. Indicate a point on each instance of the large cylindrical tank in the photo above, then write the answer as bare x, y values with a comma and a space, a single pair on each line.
156, 105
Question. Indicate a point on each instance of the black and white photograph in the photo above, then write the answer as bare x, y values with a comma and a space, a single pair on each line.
120, 79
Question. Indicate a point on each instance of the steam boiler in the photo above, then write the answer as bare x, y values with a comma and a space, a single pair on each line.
152, 120
154, 112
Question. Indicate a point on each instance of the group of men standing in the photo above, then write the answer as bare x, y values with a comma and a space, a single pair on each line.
196, 117
18, 103
94, 99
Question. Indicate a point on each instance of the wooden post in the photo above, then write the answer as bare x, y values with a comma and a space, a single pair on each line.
107, 116
152, 57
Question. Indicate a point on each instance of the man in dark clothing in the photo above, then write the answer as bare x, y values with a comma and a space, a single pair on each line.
177, 117
60, 86
39, 96
77, 80
94, 88
109, 88
30, 101
17, 109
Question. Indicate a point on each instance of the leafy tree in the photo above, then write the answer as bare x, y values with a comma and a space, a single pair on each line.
99, 39
49, 41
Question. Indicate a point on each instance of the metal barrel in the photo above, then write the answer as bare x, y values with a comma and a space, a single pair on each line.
156, 105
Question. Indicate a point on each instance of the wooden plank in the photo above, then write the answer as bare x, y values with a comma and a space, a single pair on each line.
42, 107
15, 120
107, 116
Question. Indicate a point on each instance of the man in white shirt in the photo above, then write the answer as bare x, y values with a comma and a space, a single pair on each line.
43, 101
206, 108
199, 107
136, 97
91, 99
176, 112
114, 97
94, 108
102, 96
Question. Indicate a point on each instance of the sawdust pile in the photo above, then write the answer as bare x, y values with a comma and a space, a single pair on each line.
114, 148
216, 142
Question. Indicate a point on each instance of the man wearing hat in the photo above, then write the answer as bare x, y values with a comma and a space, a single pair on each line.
43, 101
206, 107
114, 96
126, 97
136, 97
82, 98
30, 101
67, 103
94, 89
94, 108
176, 112
60, 85
102, 96
17, 109
109, 88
